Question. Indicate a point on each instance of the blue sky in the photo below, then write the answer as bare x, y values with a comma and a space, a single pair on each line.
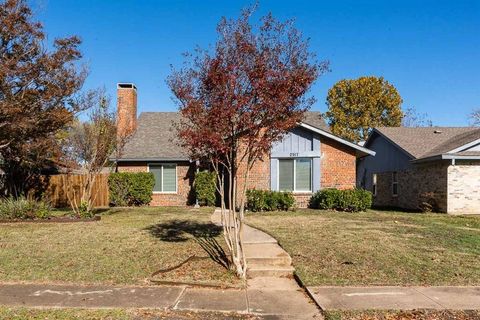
430, 50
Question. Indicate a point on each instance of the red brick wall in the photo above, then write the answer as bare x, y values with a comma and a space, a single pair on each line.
338, 170
126, 111
185, 176
302, 199
338, 165
259, 176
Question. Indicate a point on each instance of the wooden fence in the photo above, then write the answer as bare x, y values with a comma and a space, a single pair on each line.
59, 185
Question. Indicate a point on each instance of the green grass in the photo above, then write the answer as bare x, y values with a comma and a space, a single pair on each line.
112, 314
125, 247
377, 247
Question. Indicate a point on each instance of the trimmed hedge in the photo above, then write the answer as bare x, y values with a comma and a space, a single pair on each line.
205, 188
130, 188
264, 200
351, 200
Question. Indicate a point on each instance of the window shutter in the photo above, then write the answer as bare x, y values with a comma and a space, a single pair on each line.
157, 173
169, 178
285, 178
304, 174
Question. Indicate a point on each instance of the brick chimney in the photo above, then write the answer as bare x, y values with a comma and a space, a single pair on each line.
126, 109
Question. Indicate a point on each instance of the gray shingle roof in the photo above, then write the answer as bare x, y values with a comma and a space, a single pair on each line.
156, 138
314, 119
423, 142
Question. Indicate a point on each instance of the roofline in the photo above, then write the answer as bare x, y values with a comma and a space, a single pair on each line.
446, 156
338, 139
465, 146
148, 159
304, 125
389, 140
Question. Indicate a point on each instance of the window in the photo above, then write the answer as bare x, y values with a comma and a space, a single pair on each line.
374, 184
295, 174
394, 184
165, 177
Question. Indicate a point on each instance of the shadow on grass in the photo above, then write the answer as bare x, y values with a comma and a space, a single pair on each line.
202, 233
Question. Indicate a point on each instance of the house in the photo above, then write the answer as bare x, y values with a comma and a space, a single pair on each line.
309, 157
414, 166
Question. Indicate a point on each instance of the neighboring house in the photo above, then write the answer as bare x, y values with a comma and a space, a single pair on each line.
308, 159
414, 166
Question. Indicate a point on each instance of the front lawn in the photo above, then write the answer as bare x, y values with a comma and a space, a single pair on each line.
125, 247
377, 247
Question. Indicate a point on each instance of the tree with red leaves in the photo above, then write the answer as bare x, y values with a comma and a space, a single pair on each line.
240, 99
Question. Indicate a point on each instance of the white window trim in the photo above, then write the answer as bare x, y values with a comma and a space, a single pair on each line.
176, 176
374, 184
394, 183
295, 175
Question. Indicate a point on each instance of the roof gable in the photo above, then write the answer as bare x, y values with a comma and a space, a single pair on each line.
425, 142
361, 151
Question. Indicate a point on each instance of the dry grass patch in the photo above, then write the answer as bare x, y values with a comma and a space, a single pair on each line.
377, 247
125, 247
403, 315
112, 314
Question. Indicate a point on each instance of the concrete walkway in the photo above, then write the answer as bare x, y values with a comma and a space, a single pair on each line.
396, 298
271, 288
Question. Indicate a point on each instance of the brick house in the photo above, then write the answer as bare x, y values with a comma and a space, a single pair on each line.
414, 166
309, 157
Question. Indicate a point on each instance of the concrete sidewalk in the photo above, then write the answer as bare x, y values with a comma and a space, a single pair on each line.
281, 301
396, 298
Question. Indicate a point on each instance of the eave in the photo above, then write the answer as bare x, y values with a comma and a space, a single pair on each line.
446, 156
153, 159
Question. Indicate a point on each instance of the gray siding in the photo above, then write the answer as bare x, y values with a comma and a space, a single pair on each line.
299, 143
387, 158
298, 140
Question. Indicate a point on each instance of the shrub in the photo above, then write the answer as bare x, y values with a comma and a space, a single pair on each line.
286, 201
205, 188
256, 200
264, 200
271, 200
351, 200
83, 211
130, 188
324, 199
23, 208
43, 210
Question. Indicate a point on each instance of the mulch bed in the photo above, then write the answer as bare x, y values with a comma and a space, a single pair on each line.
52, 220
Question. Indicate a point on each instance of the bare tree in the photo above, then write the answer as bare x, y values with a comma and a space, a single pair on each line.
475, 117
412, 118
90, 144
